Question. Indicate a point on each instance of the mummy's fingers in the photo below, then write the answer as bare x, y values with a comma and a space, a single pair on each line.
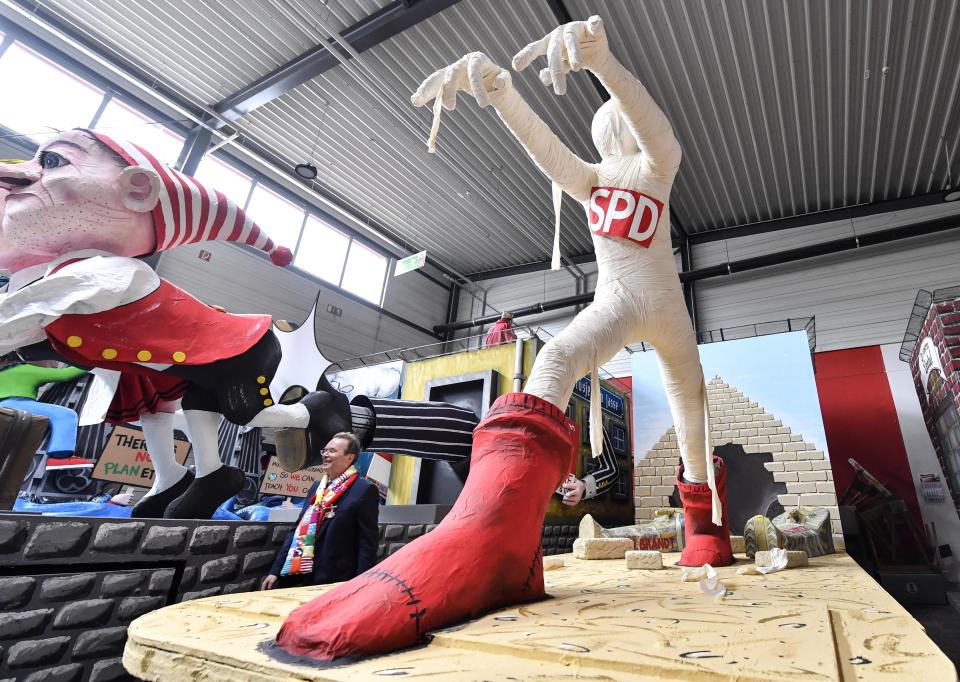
475, 68
524, 57
448, 90
595, 26
555, 61
429, 88
571, 42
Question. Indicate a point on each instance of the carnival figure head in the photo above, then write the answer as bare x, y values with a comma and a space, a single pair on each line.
86, 190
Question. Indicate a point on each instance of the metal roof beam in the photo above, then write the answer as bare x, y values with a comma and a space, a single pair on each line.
820, 217
369, 32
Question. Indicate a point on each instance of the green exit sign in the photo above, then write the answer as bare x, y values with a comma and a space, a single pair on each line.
334, 310
414, 262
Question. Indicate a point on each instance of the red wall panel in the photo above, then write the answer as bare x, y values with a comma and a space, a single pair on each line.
860, 420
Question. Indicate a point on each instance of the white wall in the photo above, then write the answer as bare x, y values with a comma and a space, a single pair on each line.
921, 455
517, 291
859, 297
244, 282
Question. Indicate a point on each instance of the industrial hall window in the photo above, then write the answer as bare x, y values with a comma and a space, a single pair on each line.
123, 121
41, 98
322, 251
948, 431
226, 179
279, 218
365, 273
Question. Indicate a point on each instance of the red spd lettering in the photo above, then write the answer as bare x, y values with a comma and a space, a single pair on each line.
624, 213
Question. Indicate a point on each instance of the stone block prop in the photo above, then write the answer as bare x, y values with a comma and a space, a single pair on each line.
601, 548
644, 559
795, 559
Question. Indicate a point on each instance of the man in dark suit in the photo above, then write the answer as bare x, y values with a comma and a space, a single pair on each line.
336, 536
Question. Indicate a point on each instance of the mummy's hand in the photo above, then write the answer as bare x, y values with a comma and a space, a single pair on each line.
474, 73
571, 47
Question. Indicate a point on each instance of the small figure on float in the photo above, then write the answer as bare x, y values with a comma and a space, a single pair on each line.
486, 552
88, 207
20, 384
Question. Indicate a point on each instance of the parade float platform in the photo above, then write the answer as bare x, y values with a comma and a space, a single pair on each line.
829, 621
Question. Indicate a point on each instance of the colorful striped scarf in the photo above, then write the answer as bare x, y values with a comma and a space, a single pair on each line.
300, 557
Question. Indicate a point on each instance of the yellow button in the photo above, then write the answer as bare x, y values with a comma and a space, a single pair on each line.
264, 391
109, 353
179, 356
74, 341
261, 380
267, 402
144, 356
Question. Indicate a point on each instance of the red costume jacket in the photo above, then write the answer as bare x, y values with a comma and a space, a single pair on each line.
166, 327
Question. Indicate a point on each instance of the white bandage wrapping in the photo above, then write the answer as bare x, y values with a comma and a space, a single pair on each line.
596, 416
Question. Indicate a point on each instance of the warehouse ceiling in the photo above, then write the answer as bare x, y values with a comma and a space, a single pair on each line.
782, 108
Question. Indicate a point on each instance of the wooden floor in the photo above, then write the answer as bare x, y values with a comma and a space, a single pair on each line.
830, 621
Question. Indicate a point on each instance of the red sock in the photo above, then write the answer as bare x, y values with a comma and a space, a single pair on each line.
483, 556
704, 543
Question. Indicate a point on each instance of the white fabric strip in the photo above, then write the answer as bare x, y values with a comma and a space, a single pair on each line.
557, 205
435, 127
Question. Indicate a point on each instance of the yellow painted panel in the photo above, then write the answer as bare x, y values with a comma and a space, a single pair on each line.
401, 480
415, 378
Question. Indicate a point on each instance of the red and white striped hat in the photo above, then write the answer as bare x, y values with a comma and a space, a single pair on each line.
187, 212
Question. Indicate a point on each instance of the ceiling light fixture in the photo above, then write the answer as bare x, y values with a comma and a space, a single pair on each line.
306, 171
953, 196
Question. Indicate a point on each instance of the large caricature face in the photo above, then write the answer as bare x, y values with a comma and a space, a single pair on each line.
12, 258
611, 135
76, 194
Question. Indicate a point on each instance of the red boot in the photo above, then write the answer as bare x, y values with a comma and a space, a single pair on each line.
704, 543
483, 556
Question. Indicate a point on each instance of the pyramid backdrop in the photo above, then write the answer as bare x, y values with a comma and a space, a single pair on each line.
734, 418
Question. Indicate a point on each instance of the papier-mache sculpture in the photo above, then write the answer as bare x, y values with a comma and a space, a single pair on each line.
486, 552
78, 218
20, 382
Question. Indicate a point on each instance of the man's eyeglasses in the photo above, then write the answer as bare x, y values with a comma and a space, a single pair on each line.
329, 451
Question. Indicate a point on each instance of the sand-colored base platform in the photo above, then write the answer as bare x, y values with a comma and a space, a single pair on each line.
830, 621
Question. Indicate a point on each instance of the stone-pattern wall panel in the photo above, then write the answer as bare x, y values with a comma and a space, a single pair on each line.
73, 585
77, 583
735, 418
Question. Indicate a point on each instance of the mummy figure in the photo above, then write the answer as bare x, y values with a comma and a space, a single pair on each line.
486, 552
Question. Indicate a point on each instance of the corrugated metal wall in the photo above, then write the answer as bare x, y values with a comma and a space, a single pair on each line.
244, 282
859, 298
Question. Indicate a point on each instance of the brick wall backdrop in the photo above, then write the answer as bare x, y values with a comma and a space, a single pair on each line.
734, 418
70, 586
